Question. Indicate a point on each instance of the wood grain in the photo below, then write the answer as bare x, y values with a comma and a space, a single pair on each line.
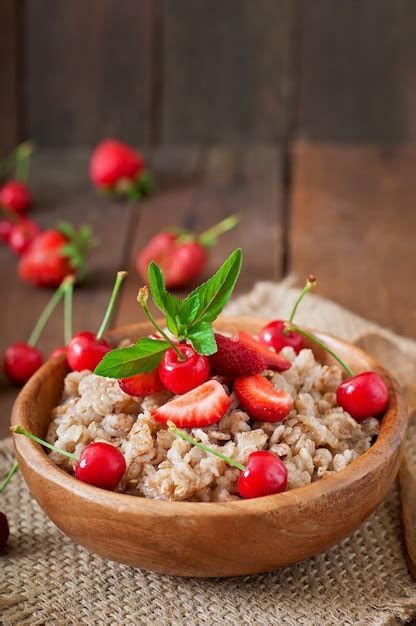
88, 70
10, 74
352, 219
356, 70
215, 539
62, 192
226, 71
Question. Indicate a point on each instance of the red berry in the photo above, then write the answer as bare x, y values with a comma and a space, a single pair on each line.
43, 264
4, 530
113, 161
23, 235
180, 262
233, 359
273, 360
182, 376
85, 351
261, 399
264, 475
6, 227
100, 464
141, 384
21, 361
273, 335
200, 407
364, 395
15, 196
58, 352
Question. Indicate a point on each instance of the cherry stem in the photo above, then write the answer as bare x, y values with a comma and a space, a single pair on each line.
116, 289
9, 476
69, 292
209, 237
48, 310
183, 435
142, 298
22, 154
19, 430
322, 344
310, 284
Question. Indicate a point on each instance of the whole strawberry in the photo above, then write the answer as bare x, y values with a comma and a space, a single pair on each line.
117, 168
55, 254
181, 255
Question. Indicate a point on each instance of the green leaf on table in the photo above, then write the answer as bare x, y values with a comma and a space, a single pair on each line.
215, 293
202, 338
144, 356
165, 301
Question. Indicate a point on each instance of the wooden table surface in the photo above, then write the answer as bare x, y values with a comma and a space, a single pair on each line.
344, 213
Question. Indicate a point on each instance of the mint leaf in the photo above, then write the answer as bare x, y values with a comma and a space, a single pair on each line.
215, 293
144, 356
202, 338
187, 313
165, 301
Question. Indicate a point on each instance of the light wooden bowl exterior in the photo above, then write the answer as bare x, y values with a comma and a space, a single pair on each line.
209, 539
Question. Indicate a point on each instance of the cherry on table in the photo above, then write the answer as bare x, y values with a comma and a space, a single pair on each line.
6, 227
263, 475
22, 235
15, 197
85, 351
4, 530
180, 376
100, 464
364, 395
274, 335
21, 361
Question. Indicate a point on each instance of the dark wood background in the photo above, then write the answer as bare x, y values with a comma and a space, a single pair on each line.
299, 115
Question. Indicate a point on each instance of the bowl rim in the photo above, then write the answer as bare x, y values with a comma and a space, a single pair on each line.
389, 440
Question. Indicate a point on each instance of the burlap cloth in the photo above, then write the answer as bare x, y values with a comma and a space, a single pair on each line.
47, 579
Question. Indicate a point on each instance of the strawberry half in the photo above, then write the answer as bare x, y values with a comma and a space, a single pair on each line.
261, 399
273, 360
141, 384
234, 359
200, 407
54, 255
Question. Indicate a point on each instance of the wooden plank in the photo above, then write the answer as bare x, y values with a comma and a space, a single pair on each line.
357, 62
62, 191
9, 75
88, 69
352, 225
246, 182
226, 71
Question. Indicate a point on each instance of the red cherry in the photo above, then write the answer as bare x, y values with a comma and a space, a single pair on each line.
6, 228
21, 361
58, 352
100, 464
263, 475
85, 351
15, 196
22, 235
273, 336
4, 530
364, 395
182, 376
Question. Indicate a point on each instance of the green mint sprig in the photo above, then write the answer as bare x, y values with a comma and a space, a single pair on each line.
189, 320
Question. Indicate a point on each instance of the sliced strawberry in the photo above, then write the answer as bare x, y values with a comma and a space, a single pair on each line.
233, 359
141, 384
261, 399
200, 407
272, 359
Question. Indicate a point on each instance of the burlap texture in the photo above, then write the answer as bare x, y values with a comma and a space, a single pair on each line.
47, 579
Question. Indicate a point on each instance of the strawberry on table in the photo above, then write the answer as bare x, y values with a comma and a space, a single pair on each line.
181, 255
55, 254
234, 359
200, 407
118, 168
261, 399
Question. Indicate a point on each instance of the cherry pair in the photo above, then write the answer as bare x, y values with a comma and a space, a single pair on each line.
264, 474
99, 464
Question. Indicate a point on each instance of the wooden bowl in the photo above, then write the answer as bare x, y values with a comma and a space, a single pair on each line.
209, 539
